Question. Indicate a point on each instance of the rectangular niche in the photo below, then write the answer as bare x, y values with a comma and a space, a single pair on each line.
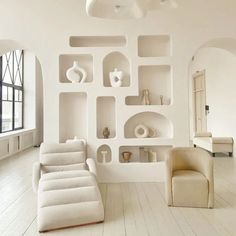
97, 41
66, 62
144, 154
154, 46
73, 116
106, 116
157, 79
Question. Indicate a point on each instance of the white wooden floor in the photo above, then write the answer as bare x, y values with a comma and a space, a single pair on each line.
136, 209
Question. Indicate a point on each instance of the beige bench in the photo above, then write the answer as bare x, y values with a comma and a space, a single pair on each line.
214, 144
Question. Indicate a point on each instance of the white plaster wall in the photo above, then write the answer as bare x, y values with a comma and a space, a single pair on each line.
220, 67
39, 104
29, 91
44, 27
33, 96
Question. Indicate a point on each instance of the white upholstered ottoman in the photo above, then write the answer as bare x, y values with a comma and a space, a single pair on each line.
214, 144
68, 198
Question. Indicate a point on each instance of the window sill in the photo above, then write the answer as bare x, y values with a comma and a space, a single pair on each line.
15, 133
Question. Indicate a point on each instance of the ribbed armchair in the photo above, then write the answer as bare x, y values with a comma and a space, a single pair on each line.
189, 178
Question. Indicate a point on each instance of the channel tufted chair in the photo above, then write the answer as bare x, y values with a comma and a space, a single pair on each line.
68, 194
189, 178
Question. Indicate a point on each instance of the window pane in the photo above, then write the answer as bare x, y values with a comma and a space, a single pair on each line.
7, 67
4, 92
10, 94
18, 68
20, 96
6, 116
16, 95
18, 114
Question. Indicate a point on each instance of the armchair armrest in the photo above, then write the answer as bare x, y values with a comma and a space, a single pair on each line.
36, 174
92, 166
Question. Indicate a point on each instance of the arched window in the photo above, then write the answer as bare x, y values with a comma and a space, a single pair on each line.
11, 91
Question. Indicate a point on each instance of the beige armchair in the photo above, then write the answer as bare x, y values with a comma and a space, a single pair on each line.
189, 180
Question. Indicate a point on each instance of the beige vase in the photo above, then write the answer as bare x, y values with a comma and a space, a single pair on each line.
126, 156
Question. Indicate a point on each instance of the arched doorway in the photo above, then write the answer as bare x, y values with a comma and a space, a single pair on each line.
212, 88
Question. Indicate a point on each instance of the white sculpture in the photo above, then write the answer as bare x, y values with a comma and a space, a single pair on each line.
104, 154
116, 78
141, 131
76, 74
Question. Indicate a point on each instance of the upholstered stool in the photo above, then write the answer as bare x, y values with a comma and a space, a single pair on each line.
68, 198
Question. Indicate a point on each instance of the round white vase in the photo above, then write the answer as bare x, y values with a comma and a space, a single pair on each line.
141, 131
76, 74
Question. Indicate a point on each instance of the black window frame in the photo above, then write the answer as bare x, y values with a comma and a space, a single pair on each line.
14, 88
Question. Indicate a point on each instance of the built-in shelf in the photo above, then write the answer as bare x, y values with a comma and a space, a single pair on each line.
154, 46
73, 116
144, 154
97, 41
85, 109
104, 154
157, 79
106, 116
66, 61
155, 122
121, 63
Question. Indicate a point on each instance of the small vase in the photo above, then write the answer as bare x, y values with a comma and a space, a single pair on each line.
106, 132
76, 74
126, 156
116, 78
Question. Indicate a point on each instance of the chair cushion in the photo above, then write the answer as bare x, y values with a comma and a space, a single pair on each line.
62, 157
68, 198
220, 140
190, 189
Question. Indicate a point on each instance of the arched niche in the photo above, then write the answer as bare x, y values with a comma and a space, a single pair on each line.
153, 121
104, 154
119, 61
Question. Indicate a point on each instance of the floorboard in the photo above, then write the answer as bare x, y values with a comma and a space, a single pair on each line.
131, 209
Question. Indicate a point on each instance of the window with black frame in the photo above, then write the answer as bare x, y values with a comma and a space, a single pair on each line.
11, 91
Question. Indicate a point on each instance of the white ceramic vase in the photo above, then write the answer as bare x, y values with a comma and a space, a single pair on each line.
141, 131
76, 74
116, 78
